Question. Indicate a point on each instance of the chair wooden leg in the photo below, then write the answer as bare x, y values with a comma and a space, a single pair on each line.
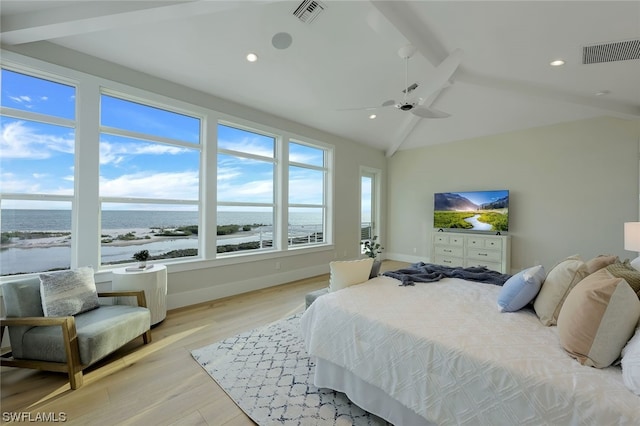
74, 367
146, 337
76, 379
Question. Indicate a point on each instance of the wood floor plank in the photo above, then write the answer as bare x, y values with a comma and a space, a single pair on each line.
160, 383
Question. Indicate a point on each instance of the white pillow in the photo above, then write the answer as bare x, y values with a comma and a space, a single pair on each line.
68, 292
521, 289
635, 263
631, 363
349, 272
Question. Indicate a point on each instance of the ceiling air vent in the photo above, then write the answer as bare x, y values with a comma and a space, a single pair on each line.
611, 52
309, 10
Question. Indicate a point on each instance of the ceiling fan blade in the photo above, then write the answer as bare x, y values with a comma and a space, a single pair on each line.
441, 75
423, 112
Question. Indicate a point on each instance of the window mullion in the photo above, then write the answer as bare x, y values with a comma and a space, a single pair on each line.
86, 215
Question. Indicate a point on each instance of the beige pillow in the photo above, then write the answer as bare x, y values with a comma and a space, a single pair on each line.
600, 262
349, 272
597, 319
559, 282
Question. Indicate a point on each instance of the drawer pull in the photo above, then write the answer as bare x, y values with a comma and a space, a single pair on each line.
482, 254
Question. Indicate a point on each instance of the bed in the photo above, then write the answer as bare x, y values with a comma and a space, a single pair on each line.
443, 353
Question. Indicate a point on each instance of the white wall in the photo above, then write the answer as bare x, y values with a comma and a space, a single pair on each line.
202, 281
571, 188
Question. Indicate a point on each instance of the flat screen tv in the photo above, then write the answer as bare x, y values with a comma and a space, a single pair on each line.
486, 211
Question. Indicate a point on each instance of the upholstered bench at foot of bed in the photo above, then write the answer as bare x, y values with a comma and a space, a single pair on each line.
310, 297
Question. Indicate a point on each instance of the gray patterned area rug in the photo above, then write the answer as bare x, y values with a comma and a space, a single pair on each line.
269, 375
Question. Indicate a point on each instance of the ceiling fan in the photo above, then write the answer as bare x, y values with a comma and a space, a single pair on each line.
437, 81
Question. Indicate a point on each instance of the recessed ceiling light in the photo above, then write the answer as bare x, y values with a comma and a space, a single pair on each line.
556, 63
252, 57
372, 116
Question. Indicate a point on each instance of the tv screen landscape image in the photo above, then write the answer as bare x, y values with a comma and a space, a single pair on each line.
474, 210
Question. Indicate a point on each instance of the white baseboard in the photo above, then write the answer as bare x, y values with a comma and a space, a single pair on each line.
406, 258
179, 300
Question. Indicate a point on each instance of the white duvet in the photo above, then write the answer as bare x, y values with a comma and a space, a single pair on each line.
445, 351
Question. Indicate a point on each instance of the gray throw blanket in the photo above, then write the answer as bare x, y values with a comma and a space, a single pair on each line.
427, 272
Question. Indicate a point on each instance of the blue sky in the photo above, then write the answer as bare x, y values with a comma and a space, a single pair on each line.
38, 158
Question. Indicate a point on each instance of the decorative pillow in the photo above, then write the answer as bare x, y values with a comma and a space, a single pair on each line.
560, 280
635, 263
598, 318
631, 363
521, 289
68, 292
628, 272
348, 272
600, 262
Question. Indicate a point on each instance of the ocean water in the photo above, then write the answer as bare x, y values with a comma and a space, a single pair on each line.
60, 220
15, 260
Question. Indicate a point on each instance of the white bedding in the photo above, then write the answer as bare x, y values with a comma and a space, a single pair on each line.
445, 351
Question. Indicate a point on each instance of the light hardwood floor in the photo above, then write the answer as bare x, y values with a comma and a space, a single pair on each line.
159, 383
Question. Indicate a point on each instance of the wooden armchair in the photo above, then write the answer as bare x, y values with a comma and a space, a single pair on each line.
67, 344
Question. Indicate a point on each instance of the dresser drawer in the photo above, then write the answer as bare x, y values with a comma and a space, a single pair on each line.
484, 254
449, 251
441, 239
455, 240
493, 243
448, 261
494, 266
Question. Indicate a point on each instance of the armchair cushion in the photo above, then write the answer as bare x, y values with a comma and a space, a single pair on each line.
67, 293
100, 332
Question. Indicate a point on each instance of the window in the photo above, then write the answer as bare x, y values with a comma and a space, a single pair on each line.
246, 203
37, 166
126, 172
149, 181
369, 204
308, 173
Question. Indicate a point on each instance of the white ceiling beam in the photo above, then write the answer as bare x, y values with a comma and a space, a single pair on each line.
87, 17
618, 109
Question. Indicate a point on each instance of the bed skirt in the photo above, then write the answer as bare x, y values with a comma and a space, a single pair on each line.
368, 397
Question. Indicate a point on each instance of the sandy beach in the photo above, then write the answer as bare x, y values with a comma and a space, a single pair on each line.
142, 236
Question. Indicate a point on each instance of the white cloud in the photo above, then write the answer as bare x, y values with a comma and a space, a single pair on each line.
247, 144
305, 191
116, 153
169, 185
21, 99
18, 140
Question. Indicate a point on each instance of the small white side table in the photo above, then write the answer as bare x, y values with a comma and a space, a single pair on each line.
154, 283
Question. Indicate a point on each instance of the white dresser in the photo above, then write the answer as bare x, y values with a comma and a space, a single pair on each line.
452, 249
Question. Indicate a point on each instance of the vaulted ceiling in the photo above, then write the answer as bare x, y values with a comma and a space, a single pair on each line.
346, 58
